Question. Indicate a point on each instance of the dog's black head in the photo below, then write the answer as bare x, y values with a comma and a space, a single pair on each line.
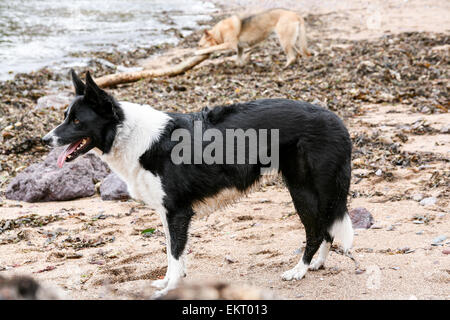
90, 121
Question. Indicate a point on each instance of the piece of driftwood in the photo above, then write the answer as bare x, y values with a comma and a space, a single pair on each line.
133, 76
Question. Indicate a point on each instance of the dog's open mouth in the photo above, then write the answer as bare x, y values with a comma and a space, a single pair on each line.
73, 150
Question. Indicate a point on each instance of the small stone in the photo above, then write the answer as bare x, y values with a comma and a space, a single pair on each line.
428, 201
358, 162
446, 251
425, 109
361, 218
378, 173
445, 129
417, 197
114, 188
438, 240
229, 259
58, 101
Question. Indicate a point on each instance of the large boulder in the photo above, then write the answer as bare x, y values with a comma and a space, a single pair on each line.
114, 188
44, 181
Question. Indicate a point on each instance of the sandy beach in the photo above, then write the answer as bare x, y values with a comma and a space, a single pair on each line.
94, 249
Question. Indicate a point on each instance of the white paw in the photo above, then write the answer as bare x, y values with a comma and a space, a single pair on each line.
316, 264
160, 284
160, 293
294, 274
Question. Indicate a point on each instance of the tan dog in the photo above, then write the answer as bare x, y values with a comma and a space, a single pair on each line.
238, 33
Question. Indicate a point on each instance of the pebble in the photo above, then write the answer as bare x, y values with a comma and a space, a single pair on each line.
361, 218
425, 110
379, 173
229, 259
390, 228
428, 201
446, 251
438, 240
417, 197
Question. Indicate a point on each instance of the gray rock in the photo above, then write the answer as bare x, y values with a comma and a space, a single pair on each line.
361, 218
428, 201
113, 188
438, 240
56, 101
44, 181
445, 128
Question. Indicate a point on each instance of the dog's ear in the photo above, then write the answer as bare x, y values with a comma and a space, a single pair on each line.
207, 33
92, 91
101, 101
77, 83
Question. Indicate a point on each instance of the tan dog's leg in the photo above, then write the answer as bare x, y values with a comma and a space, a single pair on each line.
287, 32
241, 57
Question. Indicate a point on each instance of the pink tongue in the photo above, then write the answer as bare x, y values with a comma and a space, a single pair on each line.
68, 150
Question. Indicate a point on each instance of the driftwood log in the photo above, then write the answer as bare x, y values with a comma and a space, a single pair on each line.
133, 76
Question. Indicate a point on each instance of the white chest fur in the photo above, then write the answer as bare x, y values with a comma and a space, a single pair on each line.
141, 128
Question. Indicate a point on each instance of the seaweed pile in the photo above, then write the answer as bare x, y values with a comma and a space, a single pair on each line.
410, 69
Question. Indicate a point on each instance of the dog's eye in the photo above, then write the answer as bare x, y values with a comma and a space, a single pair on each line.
76, 121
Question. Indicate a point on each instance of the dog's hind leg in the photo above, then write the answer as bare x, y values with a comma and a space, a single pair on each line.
319, 262
287, 34
307, 206
177, 226
339, 225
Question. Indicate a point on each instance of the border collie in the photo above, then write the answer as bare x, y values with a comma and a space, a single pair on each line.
137, 142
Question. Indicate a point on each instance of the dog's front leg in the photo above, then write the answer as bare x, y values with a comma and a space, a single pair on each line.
177, 222
162, 283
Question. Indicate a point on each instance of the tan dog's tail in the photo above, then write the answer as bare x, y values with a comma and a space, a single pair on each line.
303, 43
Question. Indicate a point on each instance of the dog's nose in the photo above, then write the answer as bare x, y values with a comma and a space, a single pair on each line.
46, 140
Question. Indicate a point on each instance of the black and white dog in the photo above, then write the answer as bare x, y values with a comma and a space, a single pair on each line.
311, 146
